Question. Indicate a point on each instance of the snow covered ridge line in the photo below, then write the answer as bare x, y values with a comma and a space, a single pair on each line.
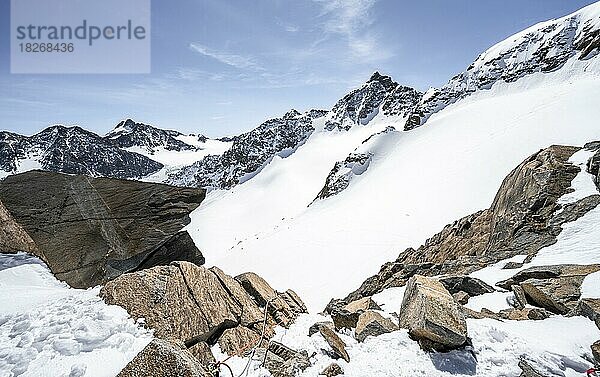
126, 152
249, 152
544, 47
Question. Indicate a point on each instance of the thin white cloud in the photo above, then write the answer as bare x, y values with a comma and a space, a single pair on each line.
352, 19
233, 60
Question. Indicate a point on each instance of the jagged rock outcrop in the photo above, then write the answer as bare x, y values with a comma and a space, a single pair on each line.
555, 288
129, 133
73, 150
542, 48
90, 230
189, 303
431, 315
249, 152
524, 217
363, 104
13, 237
165, 359
371, 323
339, 177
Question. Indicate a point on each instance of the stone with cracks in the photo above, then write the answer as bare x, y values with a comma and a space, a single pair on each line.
590, 308
337, 345
90, 230
164, 359
471, 286
596, 351
332, 370
282, 361
13, 237
371, 323
431, 315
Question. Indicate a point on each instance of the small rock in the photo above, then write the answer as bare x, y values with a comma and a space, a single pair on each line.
282, 361
371, 323
363, 304
202, 352
431, 315
520, 298
512, 265
315, 328
525, 314
471, 286
527, 370
344, 319
596, 351
590, 308
461, 297
164, 359
332, 370
337, 345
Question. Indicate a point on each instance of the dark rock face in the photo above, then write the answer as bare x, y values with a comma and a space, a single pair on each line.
250, 152
543, 50
343, 171
90, 230
590, 308
73, 150
13, 237
132, 134
362, 104
191, 304
523, 218
164, 359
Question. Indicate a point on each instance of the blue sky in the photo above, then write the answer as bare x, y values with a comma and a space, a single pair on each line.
221, 67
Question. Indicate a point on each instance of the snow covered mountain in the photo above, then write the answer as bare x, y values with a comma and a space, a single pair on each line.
249, 152
320, 200
545, 47
415, 181
71, 150
130, 150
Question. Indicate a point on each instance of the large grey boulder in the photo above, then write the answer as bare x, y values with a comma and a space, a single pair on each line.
13, 237
371, 323
431, 315
90, 230
164, 359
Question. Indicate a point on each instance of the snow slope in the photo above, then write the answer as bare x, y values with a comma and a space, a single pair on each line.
49, 329
498, 346
417, 182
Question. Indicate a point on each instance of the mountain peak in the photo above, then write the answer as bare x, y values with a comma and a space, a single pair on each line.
293, 113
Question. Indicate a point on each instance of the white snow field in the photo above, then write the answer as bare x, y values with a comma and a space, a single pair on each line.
417, 182
558, 345
49, 329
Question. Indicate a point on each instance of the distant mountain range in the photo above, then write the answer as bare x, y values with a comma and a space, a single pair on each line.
136, 150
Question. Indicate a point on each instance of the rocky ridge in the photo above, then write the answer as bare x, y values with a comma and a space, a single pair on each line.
249, 152
361, 105
544, 47
524, 217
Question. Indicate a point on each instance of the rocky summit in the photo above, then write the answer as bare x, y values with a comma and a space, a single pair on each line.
90, 230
